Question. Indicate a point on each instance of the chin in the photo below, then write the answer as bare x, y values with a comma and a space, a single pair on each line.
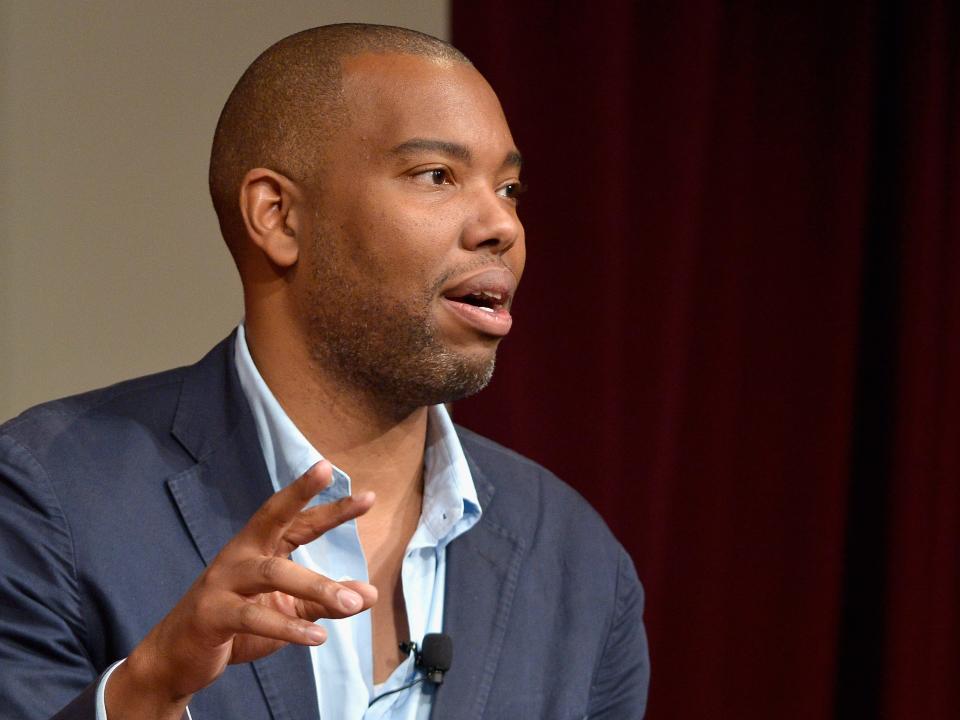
462, 374
446, 378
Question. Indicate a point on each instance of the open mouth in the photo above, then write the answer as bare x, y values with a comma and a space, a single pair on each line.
482, 300
488, 300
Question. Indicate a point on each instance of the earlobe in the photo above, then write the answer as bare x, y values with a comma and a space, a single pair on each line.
271, 206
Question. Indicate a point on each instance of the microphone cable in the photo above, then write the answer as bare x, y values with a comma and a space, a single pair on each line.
434, 659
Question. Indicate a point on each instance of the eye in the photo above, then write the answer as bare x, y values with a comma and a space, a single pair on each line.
512, 191
434, 176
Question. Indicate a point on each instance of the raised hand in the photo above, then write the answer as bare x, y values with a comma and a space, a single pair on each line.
251, 601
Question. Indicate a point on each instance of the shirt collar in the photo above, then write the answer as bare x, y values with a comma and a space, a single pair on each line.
449, 494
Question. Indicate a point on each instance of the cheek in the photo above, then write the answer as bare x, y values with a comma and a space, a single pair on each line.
404, 246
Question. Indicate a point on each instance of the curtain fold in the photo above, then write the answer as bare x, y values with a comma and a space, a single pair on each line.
737, 334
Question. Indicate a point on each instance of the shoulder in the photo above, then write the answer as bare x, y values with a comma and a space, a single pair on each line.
105, 449
576, 614
99, 416
533, 502
130, 416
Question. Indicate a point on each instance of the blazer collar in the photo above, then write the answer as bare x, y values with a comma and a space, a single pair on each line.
216, 496
483, 568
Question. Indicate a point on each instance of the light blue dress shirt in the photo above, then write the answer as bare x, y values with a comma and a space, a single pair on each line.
343, 665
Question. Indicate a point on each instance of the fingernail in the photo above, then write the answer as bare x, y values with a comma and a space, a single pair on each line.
328, 480
315, 634
349, 600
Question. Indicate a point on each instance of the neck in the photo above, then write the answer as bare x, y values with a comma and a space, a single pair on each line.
380, 449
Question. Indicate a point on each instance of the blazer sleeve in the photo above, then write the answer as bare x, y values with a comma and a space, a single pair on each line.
622, 677
42, 649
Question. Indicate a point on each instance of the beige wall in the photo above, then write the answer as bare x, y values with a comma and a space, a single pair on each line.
111, 264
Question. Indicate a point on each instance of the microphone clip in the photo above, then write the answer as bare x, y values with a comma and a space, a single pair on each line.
409, 646
434, 658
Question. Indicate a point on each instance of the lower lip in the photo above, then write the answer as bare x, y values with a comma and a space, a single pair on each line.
496, 323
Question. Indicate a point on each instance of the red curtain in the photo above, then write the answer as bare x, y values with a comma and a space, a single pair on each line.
739, 332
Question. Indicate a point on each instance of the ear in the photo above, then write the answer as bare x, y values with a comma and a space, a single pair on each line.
273, 212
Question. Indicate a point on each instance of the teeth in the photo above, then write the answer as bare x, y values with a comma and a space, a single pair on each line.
489, 294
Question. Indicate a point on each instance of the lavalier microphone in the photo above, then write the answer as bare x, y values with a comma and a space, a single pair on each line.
433, 657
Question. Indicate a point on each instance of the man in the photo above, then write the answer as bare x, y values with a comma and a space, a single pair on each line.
366, 184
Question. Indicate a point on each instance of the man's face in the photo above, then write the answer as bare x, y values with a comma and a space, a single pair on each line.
417, 246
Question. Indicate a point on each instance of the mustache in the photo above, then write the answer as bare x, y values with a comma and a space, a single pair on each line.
465, 268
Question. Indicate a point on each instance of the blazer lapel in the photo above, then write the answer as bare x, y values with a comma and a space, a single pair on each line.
218, 495
483, 567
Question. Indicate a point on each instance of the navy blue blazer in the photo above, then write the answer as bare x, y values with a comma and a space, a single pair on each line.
112, 502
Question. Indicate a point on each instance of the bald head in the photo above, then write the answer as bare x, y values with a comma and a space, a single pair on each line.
289, 102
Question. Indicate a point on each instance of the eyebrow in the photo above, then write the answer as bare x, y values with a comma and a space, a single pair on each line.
513, 159
451, 149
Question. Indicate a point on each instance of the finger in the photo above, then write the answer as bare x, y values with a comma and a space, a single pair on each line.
256, 619
278, 574
314, 611
310, 524
272, 519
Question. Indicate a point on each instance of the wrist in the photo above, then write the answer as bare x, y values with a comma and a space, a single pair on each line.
136, 689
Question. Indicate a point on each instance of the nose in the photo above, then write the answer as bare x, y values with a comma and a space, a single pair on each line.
492, 224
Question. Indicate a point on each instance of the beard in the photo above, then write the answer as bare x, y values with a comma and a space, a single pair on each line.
388, 350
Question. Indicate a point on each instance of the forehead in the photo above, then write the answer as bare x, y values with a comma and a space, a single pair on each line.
392, 98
